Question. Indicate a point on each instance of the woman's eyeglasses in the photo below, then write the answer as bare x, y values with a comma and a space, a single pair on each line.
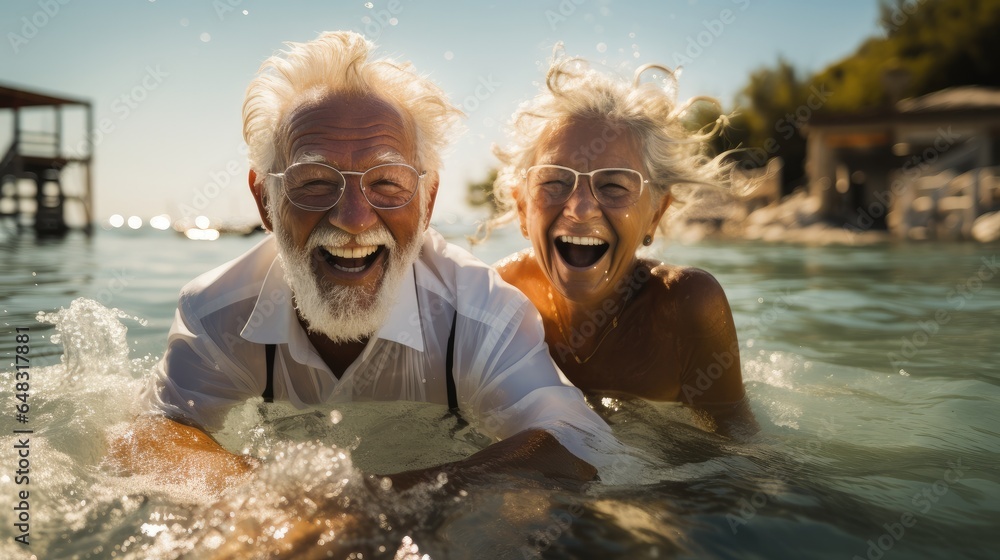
551, 185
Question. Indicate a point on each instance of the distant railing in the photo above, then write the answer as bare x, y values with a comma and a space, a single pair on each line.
37, 143
8, 159
941, 203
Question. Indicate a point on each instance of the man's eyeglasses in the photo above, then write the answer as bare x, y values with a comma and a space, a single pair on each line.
551, 185
319, 187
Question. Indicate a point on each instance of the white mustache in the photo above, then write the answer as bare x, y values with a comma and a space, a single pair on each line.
337, 237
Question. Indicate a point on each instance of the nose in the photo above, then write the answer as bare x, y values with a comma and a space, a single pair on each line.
353, 213
581, 205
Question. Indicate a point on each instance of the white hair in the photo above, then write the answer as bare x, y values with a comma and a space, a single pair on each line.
673, 153
334, 63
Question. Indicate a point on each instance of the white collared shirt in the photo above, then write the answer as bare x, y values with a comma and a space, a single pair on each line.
505, 379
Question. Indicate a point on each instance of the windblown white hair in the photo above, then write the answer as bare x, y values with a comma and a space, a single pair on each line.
673, 153
339, 62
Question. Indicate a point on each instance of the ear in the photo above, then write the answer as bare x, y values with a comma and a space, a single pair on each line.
259, 193
432, 191
658, 212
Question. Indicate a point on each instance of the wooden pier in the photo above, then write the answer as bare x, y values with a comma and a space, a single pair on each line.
35, 192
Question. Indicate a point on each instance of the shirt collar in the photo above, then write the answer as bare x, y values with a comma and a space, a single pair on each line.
403, 323
273, 317
274, 321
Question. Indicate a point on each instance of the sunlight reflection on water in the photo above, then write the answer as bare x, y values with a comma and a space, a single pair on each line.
847, 443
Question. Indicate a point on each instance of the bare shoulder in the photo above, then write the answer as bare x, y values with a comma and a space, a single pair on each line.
690, 294
518, 267
686, 282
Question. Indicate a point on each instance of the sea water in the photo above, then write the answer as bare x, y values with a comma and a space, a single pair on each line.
871, 370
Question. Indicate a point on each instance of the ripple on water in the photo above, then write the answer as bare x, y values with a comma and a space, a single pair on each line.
842, 451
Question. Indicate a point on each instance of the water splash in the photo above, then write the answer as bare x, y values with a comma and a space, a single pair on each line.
93, 339
312, 497
308, 496
72, 403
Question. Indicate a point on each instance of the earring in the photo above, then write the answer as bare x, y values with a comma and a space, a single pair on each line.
524, 231
648, 240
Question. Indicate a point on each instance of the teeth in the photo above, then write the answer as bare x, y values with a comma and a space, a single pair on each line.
581, 240
352, 253
345, 269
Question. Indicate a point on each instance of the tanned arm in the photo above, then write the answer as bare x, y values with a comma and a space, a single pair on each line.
177, 454
181, 454
712, 381
532, 452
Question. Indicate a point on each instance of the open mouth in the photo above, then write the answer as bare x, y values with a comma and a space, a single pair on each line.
351, 259
581, 252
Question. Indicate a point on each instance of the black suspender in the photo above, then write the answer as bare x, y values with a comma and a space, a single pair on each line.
449, 371
269, 349
449, 368
269, 388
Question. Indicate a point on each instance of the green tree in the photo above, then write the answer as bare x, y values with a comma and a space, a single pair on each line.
480, 193
926, 46
767, 120
944, 43
929, 45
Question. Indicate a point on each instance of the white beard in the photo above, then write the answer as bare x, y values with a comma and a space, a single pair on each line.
344, 313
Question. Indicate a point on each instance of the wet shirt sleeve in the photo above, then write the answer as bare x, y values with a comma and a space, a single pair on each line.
200, 377
508, 381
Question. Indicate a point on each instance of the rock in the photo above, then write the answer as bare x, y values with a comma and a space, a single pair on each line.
986, 228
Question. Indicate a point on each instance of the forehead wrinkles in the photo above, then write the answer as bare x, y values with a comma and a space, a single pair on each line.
368, 157
361, 118
329, 144
364, 128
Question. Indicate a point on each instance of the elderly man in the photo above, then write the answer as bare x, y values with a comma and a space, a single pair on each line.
353, 297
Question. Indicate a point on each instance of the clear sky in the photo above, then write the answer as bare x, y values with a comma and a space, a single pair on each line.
167, 78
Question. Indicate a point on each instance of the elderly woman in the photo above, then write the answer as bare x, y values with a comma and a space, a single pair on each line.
589, 175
